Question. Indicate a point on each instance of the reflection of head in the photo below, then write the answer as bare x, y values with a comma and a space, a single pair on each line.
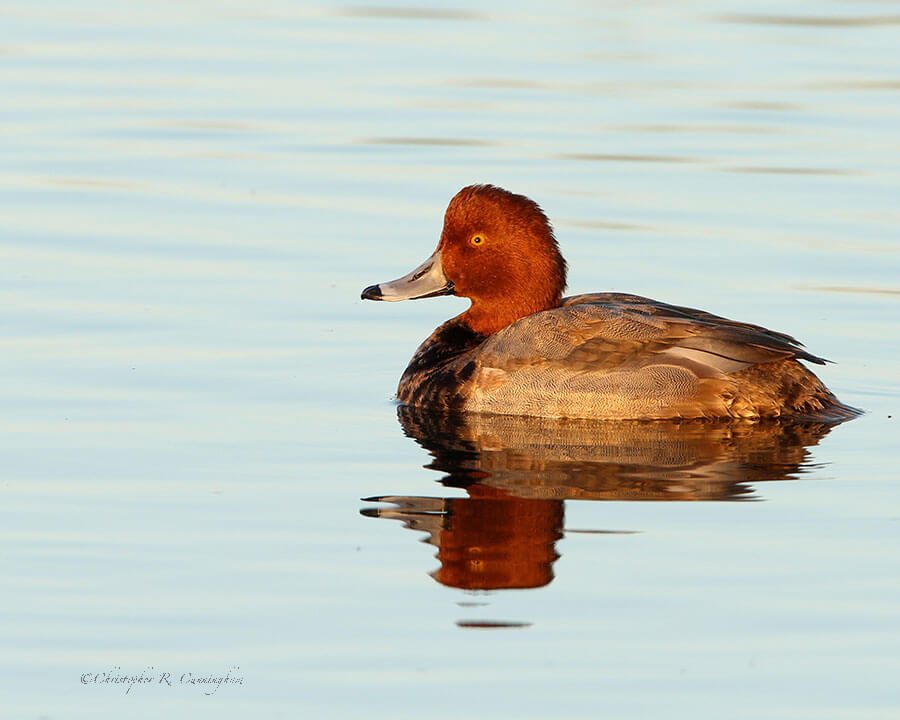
489, 542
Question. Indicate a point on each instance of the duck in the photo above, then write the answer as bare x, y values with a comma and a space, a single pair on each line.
522, 348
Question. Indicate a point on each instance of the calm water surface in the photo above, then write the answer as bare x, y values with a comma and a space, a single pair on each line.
204, 472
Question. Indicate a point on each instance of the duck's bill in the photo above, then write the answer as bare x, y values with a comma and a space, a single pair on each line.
427, 280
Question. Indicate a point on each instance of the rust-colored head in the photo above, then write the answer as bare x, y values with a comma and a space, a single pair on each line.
498, 249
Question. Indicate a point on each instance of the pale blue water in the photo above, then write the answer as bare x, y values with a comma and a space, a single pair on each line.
195, 400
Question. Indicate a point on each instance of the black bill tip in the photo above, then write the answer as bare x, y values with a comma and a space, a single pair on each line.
373, 292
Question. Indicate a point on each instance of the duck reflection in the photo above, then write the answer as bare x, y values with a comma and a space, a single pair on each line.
517, 472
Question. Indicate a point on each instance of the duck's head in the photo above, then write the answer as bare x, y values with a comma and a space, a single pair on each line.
497, 249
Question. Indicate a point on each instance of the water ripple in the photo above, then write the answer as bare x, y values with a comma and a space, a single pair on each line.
853, 290
410, 13
773, 170
607, 157
451, 142
810, 20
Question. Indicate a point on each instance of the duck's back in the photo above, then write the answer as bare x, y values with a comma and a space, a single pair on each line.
616, 356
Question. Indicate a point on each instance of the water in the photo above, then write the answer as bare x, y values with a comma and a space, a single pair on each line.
196, 401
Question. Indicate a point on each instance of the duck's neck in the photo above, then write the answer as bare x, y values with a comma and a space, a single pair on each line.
486, 318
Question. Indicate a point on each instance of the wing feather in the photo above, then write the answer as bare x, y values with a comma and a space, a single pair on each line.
607, 331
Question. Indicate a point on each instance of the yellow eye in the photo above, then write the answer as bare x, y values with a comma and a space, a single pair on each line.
477, 240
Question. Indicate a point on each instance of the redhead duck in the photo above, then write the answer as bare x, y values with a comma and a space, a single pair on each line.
523, 349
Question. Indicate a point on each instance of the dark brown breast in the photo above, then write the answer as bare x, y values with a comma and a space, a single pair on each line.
438, 372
